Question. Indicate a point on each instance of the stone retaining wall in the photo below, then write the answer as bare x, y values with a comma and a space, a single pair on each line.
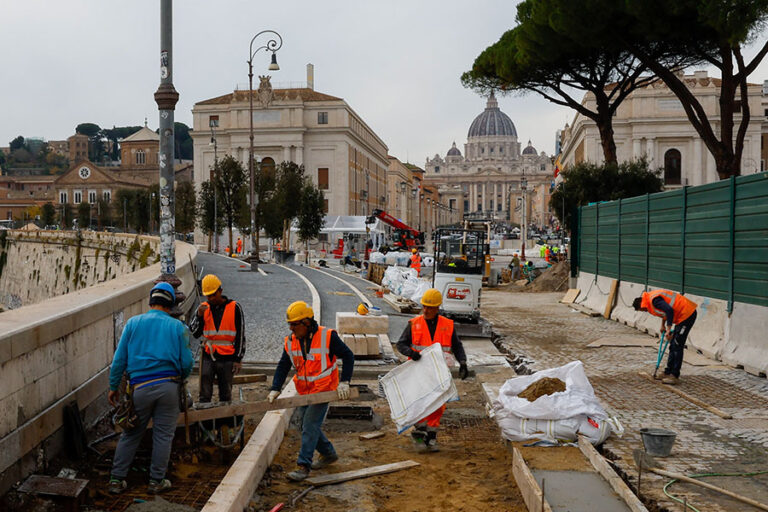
38, 265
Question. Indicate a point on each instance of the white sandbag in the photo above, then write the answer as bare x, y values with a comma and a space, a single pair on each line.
567, 430
578, 397
422, 286
416, 389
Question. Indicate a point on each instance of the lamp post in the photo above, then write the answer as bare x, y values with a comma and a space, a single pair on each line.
213, 122
523, 222
272, 45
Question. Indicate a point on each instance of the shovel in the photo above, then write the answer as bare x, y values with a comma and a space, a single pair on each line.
662, 349
648, 463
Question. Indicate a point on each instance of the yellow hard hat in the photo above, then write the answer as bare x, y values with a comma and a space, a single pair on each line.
432, 297
298, 310
211, 283
414, 250
362, 309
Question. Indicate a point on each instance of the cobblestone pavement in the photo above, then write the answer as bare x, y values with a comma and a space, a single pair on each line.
263, 298
550, 334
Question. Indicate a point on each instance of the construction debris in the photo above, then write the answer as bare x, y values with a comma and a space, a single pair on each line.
541, 387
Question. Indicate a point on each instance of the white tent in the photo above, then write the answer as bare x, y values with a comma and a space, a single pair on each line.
351, 224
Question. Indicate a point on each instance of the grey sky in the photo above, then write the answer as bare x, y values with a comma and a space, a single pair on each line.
396, 62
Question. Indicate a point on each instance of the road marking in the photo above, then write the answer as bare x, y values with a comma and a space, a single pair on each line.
312, 291
261, 271
347, 283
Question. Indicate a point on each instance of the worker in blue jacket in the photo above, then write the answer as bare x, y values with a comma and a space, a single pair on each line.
154, 353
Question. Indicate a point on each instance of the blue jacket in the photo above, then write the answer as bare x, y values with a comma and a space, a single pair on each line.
152, 345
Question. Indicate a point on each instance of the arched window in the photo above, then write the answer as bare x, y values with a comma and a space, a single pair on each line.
672, 167
268, 167
141, 157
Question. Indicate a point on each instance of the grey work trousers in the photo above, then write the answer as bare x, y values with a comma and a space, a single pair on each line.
160, 402
223, 372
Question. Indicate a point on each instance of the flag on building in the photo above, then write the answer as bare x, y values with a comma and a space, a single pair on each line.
557, 166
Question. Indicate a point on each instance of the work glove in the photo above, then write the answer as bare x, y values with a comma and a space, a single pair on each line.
415, 355
343, 390
272, 395
463, 371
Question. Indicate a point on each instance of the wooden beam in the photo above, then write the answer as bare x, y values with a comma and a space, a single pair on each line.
246, 379
337, 478
527, 484
570, 296
605, 470
693, 400
611, 299
246, 408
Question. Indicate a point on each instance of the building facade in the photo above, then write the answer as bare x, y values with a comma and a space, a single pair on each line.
651, 123
487, 178
340, 153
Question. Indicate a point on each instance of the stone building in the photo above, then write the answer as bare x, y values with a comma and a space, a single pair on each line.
138, 154
342, 155
651, 122
486, 179
86, 182
78, 147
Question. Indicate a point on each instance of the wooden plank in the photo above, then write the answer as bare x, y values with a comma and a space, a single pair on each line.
337, 478
584, 309
527, 484
371, 435
610, 476
611, 299
693, 400
570, 296
245, 408
246, 379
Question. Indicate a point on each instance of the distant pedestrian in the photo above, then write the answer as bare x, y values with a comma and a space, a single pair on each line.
313, 351
673, 309
154, 353
220, 322
239, 245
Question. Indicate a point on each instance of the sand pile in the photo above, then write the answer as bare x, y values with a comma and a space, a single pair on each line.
541, 387
553, 279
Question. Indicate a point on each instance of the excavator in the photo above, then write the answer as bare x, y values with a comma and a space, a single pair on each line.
405, 237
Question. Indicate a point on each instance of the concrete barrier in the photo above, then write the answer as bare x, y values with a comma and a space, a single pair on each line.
55, 352
734, 339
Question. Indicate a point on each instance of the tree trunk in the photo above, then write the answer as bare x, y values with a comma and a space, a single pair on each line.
605, 127
286, 235
231, 247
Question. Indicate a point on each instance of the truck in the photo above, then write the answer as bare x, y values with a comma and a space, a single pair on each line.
404, 237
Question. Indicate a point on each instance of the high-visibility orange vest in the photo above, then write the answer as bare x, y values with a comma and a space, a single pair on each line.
420, 338
416, 263
222, 340
319, 372
682, 307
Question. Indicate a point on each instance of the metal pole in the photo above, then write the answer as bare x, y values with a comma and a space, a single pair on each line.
215, 193
252, 195
125, 215
166, 98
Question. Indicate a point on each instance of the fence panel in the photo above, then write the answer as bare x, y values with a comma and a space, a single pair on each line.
709, 240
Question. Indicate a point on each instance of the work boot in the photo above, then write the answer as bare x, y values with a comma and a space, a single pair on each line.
658, 376
324, 461
298, 474
419, 435
431, 441
116, 485
671, 380
158, 486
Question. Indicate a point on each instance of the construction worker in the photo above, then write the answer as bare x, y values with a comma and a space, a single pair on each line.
220, 322
421, 332
514, 266
239, 245
415, 261
154, 352
313, 350
674, 309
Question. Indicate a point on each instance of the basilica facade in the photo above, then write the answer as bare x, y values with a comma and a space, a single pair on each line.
488, 179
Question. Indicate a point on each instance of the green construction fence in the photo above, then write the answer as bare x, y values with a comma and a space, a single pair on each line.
709, 240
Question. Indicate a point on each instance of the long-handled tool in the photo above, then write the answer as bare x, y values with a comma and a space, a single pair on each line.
662, 349
648, 463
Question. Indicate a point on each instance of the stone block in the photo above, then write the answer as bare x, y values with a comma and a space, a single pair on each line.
361, 345
373, 344
349, 340
352, 323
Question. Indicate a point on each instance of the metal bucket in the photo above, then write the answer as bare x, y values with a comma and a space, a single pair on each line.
658, 441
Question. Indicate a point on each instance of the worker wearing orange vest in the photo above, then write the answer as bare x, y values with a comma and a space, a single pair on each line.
421, 332
314, 351
673, 309
220, 323
416, 261
239, 245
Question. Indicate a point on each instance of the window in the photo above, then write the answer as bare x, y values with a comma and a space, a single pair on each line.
437, 169
141, 157
491, 150
501, 150
672, 167
77, 196
322, 178
482, 150
63, 197
267, 167
325, 206
466, 205
452, 204
107, 195
92, 196
542, 167
322, 118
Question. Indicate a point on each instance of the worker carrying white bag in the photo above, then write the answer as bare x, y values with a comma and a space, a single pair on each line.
417, 389
557, 417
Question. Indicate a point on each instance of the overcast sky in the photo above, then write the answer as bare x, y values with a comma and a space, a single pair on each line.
397, 63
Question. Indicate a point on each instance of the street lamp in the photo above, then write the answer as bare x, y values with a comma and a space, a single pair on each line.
213, 122
524, 222
272, 45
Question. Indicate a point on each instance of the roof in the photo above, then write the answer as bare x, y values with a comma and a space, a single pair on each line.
454, 151
303, 94
141, 135
413, 167
529, 149
492, 121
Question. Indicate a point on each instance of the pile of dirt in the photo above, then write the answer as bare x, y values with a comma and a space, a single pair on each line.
544, 386
553, 279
